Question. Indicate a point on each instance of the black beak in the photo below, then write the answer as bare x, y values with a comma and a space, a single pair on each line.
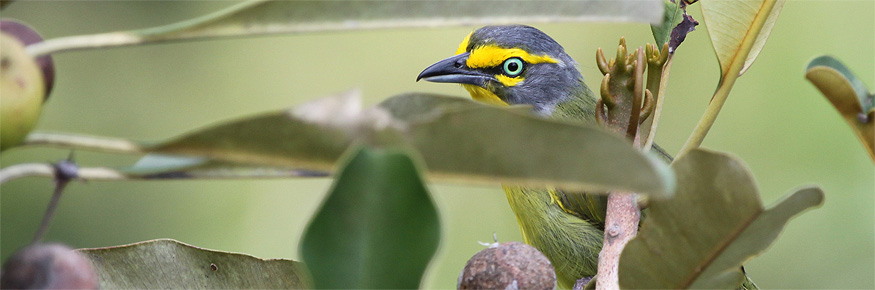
454, 70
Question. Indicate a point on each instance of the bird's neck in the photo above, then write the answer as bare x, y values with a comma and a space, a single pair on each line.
577, 106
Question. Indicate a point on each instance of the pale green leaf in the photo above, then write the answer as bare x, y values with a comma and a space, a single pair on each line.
169, 264
700, 238
739, 29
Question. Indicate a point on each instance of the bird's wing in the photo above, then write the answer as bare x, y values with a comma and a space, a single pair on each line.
589, 207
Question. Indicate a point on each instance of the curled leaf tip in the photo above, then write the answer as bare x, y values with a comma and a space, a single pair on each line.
607, 97
622, 55
602, 61
679, 33
647, 108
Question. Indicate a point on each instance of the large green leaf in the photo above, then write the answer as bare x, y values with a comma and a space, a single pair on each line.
378, 228
714, 223
486, 143
169, 264
848, 95
739, 30
268, 17
459, 139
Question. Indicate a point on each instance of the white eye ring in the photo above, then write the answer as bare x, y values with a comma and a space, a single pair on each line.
513, 66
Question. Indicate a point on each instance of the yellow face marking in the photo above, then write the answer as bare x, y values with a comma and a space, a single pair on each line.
492, 56
509, 81
483, 95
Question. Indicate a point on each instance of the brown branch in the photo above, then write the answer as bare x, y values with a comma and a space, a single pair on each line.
621, 225
623, 215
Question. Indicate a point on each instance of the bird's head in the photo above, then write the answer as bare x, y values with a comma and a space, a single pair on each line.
510, 65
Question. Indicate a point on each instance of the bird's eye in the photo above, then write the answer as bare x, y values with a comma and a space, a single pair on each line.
513, 66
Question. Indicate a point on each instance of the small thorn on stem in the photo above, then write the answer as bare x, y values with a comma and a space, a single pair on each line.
863, 118
647, 108
614, 231
602, 62
600, 115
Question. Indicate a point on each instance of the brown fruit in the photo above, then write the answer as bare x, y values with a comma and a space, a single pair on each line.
511, 265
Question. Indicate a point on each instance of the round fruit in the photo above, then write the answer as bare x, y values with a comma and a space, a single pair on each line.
22, 89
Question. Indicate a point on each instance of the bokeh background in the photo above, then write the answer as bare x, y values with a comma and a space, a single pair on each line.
775, 120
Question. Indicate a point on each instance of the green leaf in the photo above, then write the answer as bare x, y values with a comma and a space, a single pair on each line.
378, 227
459, 139
169, 264
739, 30
672, 16
270, 17
848, 95
715, 222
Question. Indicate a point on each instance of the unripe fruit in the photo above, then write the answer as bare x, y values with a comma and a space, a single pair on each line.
22, 89
28, 36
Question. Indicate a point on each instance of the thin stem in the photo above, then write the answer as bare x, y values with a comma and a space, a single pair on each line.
50, 210
79, 42
660, 99
707, 120
47, 170
637, 94
727, 81
83, 142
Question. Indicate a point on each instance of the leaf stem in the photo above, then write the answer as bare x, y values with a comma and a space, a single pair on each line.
83, 142
660, 99
727, 81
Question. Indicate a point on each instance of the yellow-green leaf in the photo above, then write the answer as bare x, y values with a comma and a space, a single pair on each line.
169, 264
715, 222
739, 30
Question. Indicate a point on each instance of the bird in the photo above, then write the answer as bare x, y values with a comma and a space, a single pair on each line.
521, 65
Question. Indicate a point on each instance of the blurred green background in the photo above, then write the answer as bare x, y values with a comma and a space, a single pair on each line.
776, 121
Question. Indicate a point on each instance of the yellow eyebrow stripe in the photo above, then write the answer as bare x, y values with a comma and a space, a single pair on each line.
492, 56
